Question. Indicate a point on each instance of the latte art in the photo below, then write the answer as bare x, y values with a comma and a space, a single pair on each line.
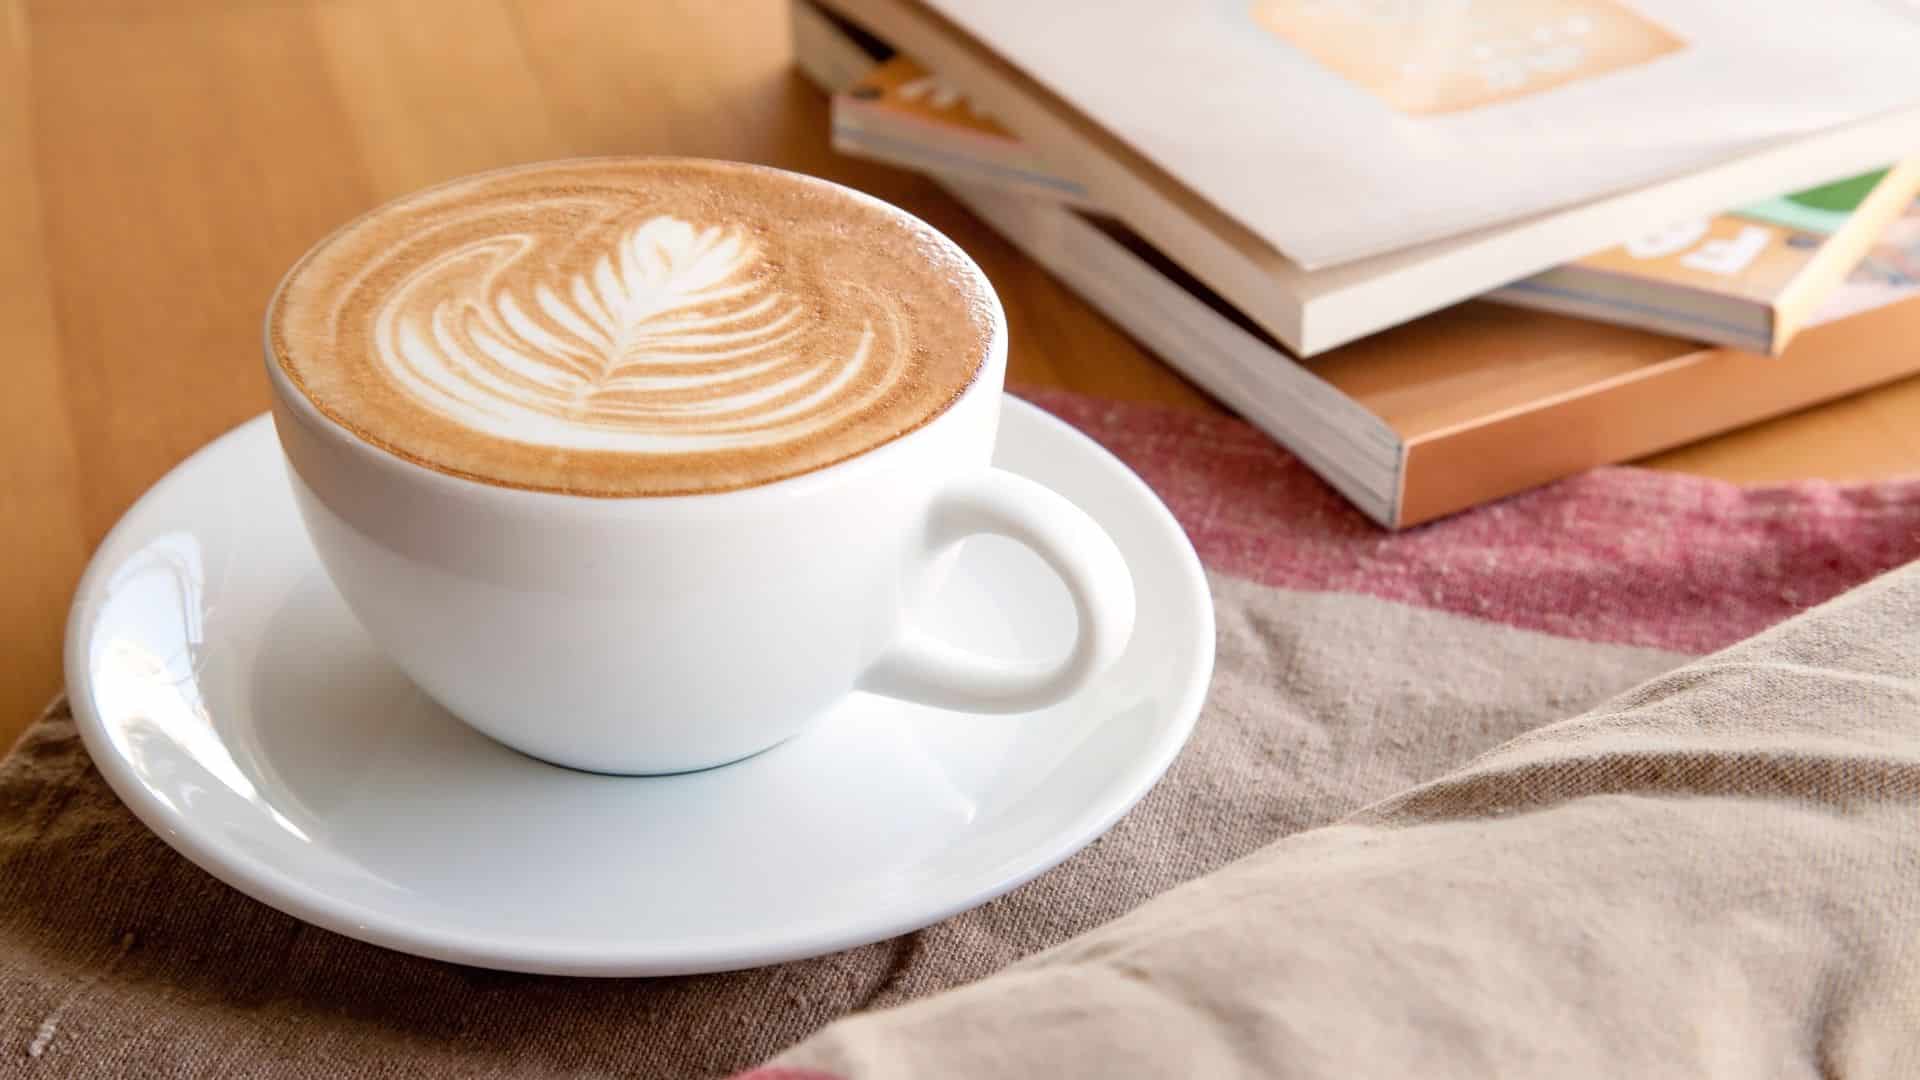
633, 327
673, 339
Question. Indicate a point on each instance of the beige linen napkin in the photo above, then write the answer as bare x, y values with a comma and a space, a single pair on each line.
1716, 874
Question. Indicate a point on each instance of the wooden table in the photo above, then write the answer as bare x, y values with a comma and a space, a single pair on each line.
162, 163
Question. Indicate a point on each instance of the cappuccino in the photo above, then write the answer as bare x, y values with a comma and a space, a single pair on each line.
633, 327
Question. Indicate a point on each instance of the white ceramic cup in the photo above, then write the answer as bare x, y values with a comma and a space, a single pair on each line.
662, 634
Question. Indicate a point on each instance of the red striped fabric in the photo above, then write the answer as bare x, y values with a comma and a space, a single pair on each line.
1620, 555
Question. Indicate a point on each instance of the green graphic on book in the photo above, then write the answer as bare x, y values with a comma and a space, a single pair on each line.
1817, 210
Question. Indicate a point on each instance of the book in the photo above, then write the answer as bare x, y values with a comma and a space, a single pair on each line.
1460, 407
1749, 279
1311, 310
905, 115
1463, 406
1335, 130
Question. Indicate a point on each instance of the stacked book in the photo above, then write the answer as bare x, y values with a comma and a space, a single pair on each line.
1443, 252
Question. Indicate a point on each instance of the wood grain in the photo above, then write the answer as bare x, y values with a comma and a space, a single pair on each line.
161, 165
44, 538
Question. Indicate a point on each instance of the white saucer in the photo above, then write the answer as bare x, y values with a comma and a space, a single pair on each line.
233, 703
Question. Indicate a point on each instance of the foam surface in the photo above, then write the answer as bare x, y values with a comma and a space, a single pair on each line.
633, 326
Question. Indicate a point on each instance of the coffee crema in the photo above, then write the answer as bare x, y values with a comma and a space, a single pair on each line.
634, 326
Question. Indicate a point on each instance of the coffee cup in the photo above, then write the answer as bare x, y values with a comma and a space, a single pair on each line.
645, 465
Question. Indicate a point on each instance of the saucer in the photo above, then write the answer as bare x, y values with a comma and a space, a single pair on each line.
235, 706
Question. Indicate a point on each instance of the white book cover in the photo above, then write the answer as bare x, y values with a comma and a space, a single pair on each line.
1341, 129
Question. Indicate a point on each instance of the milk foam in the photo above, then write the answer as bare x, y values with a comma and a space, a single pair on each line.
638, 326
671, 342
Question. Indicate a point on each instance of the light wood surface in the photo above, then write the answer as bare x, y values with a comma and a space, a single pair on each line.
162, 163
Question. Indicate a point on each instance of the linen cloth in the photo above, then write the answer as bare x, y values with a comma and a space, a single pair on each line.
1353, 665
1714, 875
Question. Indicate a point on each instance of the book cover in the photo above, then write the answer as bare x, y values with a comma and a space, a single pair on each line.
1313, 310
1751, 278
1341, 129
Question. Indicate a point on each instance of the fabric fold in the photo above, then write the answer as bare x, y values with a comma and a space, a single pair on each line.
1716, 873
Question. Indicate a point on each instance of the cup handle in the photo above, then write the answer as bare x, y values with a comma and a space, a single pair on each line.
919, 667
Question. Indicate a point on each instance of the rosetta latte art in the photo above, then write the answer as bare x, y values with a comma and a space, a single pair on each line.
675, 339
629, 327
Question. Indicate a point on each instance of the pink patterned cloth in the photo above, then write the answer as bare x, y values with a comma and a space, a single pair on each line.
1623, 555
